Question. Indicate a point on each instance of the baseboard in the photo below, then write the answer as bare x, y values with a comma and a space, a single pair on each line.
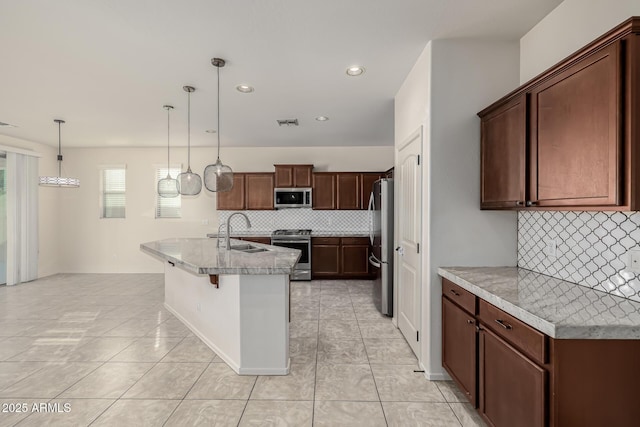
435, 376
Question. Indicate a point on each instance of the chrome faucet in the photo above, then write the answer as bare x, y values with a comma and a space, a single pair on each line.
219, 232
246, 218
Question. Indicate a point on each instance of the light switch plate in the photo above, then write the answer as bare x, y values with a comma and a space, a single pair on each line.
634, 260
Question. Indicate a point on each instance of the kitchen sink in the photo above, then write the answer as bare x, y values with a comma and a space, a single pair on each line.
250, 249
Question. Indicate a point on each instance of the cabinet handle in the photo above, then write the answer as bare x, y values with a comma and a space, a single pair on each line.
172, 264
519, 203
454, 292
503, 324
471, 322
531, 203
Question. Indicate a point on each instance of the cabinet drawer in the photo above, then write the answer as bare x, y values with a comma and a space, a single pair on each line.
529, 340
325, 240
460, 296
355, 241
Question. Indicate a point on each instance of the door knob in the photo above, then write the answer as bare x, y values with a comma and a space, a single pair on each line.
400, 250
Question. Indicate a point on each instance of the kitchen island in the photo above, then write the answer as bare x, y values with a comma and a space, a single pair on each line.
236, 301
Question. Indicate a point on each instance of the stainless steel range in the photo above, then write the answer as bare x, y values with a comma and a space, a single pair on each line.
296, 239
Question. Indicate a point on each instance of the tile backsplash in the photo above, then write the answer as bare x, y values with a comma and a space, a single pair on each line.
591, 248
316, 220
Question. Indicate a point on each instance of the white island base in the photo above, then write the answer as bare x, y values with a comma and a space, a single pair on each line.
245, 320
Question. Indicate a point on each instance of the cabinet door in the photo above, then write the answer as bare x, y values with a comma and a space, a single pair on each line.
459, 353
503, 150
324, 190
512, 387
264, 240
348, 190
366, 185
283, 176
325, 257
302, 175
259, 190
355, 257
233, 200
575, 134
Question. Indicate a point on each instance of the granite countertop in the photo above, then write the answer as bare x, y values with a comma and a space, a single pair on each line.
558, 308
244, 233
201, 256
319, 233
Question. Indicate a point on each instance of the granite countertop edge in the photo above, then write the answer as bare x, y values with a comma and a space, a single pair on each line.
557, 330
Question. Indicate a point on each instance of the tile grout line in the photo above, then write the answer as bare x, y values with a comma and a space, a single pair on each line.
315, 374
190, 388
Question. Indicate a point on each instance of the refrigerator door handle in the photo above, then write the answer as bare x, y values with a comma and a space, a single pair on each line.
371, 209
374, 262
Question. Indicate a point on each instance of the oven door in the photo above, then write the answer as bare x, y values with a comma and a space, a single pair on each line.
302, 245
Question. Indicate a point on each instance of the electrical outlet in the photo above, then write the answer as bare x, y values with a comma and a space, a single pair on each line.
634, 260
550, 248
198, 307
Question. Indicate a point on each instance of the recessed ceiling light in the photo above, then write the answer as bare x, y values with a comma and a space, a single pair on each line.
355, 70
210, 131
322, 118
245, 88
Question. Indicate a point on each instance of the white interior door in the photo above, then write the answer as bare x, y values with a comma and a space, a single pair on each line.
408, 257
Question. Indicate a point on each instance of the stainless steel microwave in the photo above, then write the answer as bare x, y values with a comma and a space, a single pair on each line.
292, 198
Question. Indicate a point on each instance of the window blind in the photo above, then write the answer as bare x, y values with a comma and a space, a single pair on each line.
167, 207
113, 193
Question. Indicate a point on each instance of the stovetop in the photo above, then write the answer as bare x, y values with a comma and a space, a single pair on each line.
292, 232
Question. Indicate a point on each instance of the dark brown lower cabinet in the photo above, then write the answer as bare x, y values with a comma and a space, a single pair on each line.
459, 343
257, 239
512, 387
340, 258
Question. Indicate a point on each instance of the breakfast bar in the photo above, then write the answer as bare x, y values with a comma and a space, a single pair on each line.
236, 299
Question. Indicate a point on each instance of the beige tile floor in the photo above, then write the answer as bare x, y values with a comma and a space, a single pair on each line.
104, 346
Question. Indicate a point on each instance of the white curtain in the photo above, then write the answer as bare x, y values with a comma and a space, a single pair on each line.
22, 218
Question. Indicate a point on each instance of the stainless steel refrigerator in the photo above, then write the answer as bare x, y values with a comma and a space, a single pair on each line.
381, 235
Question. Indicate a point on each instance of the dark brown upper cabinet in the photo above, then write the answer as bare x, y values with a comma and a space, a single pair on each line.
324, 190
569, 138
366, 185
251, 191
259, 191
502, 155
233, 200
348, 190
293, 176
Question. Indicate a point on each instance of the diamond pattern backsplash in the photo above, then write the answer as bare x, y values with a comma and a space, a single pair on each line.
591, 248
316, 220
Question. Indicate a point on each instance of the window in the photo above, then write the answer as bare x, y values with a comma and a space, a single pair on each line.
113, 194
167, 207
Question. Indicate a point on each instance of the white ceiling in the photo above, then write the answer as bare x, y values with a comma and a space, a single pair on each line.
108, 66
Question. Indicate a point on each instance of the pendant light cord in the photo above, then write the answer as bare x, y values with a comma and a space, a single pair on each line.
189, 131
168, 133
59, 150
218, 68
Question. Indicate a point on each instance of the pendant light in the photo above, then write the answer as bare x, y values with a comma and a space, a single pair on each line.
59, 181
190, 183
218, 177
168, 187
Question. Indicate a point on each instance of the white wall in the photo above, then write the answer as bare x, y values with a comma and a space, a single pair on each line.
570, 26
48, 224
91, 244
451, 82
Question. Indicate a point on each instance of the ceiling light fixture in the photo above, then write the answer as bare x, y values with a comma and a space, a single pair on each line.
218, 177
245, 88
168, 187
190, 183
322, 118
355, 70
59, 181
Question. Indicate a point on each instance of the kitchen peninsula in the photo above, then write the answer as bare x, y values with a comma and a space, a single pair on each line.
235, 300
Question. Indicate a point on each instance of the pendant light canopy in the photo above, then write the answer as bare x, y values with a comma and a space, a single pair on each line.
190, 183
218, 177
168, 187
59, 181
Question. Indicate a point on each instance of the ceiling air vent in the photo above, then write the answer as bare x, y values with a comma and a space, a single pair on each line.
288, 122
6, 125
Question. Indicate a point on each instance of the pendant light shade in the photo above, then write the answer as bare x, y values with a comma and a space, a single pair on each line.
59, 181
168, 187
218, 177
190, 183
